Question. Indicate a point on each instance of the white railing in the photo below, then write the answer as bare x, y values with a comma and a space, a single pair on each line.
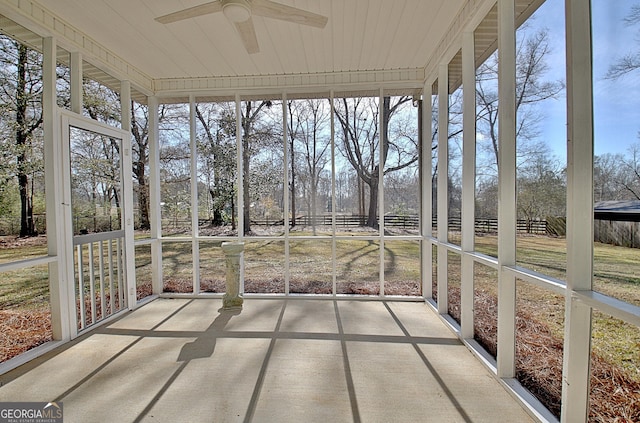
100, 277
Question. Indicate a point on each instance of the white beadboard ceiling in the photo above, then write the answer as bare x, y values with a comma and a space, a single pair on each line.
360, 35
364, 42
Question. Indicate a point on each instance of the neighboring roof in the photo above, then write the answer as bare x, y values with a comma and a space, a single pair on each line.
628, 211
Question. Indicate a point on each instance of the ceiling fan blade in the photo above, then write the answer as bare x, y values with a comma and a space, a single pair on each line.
271, 9
247, 33
191, 12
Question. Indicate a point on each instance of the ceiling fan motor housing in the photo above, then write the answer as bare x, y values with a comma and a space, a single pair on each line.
236, 10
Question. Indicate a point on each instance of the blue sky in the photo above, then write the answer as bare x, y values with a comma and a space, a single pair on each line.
616, 103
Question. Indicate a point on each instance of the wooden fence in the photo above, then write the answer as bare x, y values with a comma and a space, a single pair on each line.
538, 227
616, 232
11, 225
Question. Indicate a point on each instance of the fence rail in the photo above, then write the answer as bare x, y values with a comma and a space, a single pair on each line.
81, 224
11, 226
538, 227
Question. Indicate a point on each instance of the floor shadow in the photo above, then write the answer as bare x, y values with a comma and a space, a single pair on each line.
255, 396
113, 358
355, 412
202, 347
205, 344
463, 414
201, 344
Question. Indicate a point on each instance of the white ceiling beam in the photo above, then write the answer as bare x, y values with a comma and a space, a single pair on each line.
398, 79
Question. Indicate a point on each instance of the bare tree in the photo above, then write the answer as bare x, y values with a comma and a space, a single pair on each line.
541, 187
607, 174
94, 183
308, 126
26, 87
175, 164
531, 89
617, 176
293, 127
257, 132
629, 177
216, 144
100, 102
630, 61
140, 148
360, 138
21, 80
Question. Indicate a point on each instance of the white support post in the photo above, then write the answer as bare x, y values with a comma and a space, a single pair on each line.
506, 188
195, 245
60, 294
577, 339
426, 169
66, 220
127, 189
382, 123
443, 187
468, 183
240, 182
240, 176
76, 82
125, 105
154, 197
285, 188
334, 243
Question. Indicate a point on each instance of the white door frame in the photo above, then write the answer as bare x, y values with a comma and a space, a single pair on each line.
67, 120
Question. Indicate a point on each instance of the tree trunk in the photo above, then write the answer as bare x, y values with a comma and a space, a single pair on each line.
233, 213
313, 203
143, 194
245, 185
372, 220
217, 213
293, 187
360, 200
143, 203
139, 170
246, 135
22, 135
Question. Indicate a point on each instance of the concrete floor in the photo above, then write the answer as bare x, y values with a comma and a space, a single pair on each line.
295, 360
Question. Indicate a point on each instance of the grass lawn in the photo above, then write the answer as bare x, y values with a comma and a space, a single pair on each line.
25, 314
13, 249
310, 266
616, 269
616, 273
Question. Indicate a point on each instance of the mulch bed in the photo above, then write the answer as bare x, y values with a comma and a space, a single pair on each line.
22, 330
615, 396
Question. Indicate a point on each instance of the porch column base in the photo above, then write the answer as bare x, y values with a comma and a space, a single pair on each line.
233, 251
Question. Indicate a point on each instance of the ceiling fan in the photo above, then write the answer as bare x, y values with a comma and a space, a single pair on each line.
239, 12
